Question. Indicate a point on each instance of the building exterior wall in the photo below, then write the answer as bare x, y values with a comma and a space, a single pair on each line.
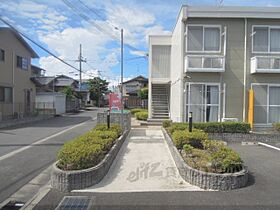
11, 75
236, 80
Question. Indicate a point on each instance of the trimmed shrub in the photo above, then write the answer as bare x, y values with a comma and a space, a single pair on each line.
200, 160
89, 149
195, 138
188, 148
225, 160
143, 115
223, 127
134, 111
77, 155
114, 127
177, 126
276, 126
213, 145
166, 123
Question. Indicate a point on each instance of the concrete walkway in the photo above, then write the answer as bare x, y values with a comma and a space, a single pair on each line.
144, 163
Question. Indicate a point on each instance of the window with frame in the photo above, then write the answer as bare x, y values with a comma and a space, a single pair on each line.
266, 39
266, 104
2, 55
22, 62
203, 100
203, 38
6, 94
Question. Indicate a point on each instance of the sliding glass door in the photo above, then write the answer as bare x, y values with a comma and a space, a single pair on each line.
266, 103
203, 100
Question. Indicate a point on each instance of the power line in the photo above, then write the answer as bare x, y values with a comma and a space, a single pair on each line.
86, 18
38, 45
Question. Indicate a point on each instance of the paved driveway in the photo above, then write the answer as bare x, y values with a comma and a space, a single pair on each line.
262, 192
26, 151
144, 163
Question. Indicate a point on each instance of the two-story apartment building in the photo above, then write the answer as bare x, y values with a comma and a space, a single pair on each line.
17, 92
213, 57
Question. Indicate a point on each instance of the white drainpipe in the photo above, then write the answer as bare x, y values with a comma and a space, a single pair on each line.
245, 71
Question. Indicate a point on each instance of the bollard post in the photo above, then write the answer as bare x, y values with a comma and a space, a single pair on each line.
190, 122
108, 118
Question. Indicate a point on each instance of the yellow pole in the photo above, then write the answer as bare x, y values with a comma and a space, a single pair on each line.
251, 108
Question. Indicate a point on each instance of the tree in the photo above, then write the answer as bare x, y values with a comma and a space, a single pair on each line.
97, 88
69, 92
143, 93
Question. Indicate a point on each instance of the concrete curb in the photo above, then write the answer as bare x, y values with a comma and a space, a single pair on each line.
66, 181
204, 180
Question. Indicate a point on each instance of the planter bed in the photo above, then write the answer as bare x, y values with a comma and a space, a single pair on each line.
206, 180
66, 181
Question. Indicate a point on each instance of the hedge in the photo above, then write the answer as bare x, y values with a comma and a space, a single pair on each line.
213, 127
89, 149
195, 138
143, 115
134, 111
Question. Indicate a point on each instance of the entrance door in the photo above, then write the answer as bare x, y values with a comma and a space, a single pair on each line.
203, 100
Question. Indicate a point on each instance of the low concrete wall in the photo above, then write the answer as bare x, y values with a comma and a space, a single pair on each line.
239, 137
206, 180
24, 121
115, 118
66, 181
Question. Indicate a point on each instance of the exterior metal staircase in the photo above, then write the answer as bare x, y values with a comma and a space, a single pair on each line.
160, 102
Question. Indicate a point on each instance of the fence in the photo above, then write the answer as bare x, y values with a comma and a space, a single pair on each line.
9, 111
135, 102
72, 105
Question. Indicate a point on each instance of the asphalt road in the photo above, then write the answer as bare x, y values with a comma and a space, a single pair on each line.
262, 192
27, 151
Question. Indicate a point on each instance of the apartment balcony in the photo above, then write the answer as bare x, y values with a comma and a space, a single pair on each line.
265, 64
204, 63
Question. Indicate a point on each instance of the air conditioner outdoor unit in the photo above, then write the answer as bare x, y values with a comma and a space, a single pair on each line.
230, 119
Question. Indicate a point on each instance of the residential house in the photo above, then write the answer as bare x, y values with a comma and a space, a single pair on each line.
54, 84
131, 90
17, 92
213, 57
132, 86
37, 71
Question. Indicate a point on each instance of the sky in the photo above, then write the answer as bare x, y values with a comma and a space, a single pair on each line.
62, 25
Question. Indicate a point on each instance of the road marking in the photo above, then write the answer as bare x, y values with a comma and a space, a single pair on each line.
42, 140
267, 145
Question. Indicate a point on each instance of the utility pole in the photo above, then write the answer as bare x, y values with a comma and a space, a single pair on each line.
80, 60
122, 119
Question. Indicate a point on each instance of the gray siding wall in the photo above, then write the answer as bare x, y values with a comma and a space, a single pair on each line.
161, 61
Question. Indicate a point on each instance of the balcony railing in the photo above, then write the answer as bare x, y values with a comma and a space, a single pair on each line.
204, 63
265, 64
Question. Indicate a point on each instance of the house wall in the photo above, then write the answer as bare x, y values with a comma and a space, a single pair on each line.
10, 75
176, 73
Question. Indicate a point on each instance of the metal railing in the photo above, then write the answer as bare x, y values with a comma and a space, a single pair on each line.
205, 63
265, 64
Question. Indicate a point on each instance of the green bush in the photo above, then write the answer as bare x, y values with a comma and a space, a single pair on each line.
114, 127
276, 126
200, 160
225, 160
177, 126
212, 145
134, 111
89, 149
77, 155
195, 138
166, 123
142, 115
223, 127
188, 148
